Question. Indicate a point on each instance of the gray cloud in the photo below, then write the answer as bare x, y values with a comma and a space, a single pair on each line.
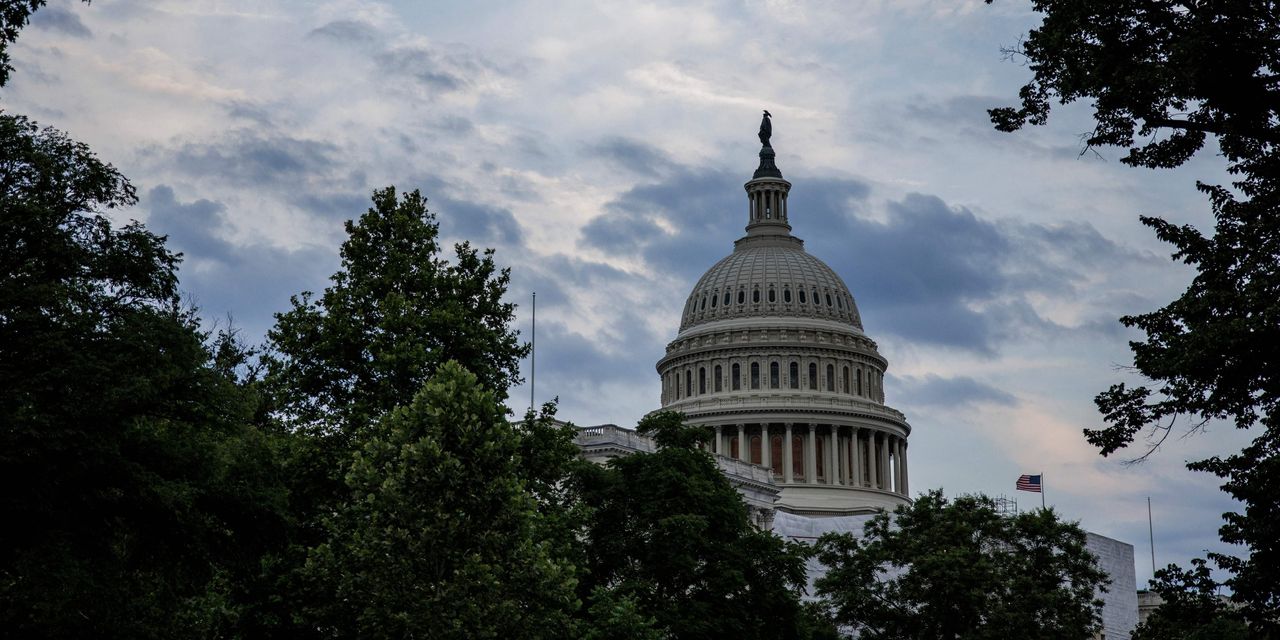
479, 223
194, 228
251, 158
61, 19
356, 31
936, 391
632, 155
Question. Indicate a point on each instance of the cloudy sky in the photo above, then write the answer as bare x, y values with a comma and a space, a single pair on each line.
601, 149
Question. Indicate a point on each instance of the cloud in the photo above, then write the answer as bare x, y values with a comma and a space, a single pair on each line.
61, 19
479, 223
251, 158
194, 228
354, 31
632, 155
936, 391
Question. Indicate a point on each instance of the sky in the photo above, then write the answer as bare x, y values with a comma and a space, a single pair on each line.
601, 148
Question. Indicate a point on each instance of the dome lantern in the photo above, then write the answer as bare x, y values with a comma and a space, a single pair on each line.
767, 191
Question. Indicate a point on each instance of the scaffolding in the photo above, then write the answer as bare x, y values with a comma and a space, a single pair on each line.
1006, 506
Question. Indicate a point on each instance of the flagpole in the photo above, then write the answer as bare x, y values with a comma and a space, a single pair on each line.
533, 351
1151, 537
1042, 491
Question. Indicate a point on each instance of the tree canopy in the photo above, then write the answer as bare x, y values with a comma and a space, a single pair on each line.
1191, 609
440, 536
940, 569
1165, 79
670, 536
139, 494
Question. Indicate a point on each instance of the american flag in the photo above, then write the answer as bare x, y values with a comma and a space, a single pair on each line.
1029, 483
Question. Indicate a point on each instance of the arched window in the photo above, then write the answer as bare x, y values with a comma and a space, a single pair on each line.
742, 296
727, 297
820, 467
755, 375
773, 295
802, 300
703, 305
755, 295
797, 458
775, 454
828, 299
816, 299
774, 383
733, 447
786, 295
831, 378
844, 380
688, 382
719, 386
713, 300
793, 375
859, 379
840, 301
735, 377
756, 454
813, 376
702, 380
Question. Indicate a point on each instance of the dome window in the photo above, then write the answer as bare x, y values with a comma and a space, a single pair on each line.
703, 305
735, 377
816, 299
813, 371
859, 379
718, 377
831, 378
844, 380
802, 300
773, 295
840, 301
755, 296
726, 298
742, 296
828, 300
786, 296
702, 381
713, 300
688, 382
774, 376
755, 375
793, 375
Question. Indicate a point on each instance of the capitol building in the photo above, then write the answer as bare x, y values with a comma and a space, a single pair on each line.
772, 356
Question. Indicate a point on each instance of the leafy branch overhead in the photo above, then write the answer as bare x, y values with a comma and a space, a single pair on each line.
1164, 80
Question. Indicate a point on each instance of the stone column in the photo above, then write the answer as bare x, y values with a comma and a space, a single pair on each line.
742, 443
906, 484
766, 452
810, 453
786, 456
855, 459
833, 457
873, 455
718, 444
842, 457
885, 480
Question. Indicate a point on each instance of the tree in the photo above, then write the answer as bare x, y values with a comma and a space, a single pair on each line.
138, 495
1191, 608
440, 535
941, 569
669, 534
396, 311
1172, 75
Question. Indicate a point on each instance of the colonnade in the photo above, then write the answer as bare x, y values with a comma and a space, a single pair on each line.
830, 454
